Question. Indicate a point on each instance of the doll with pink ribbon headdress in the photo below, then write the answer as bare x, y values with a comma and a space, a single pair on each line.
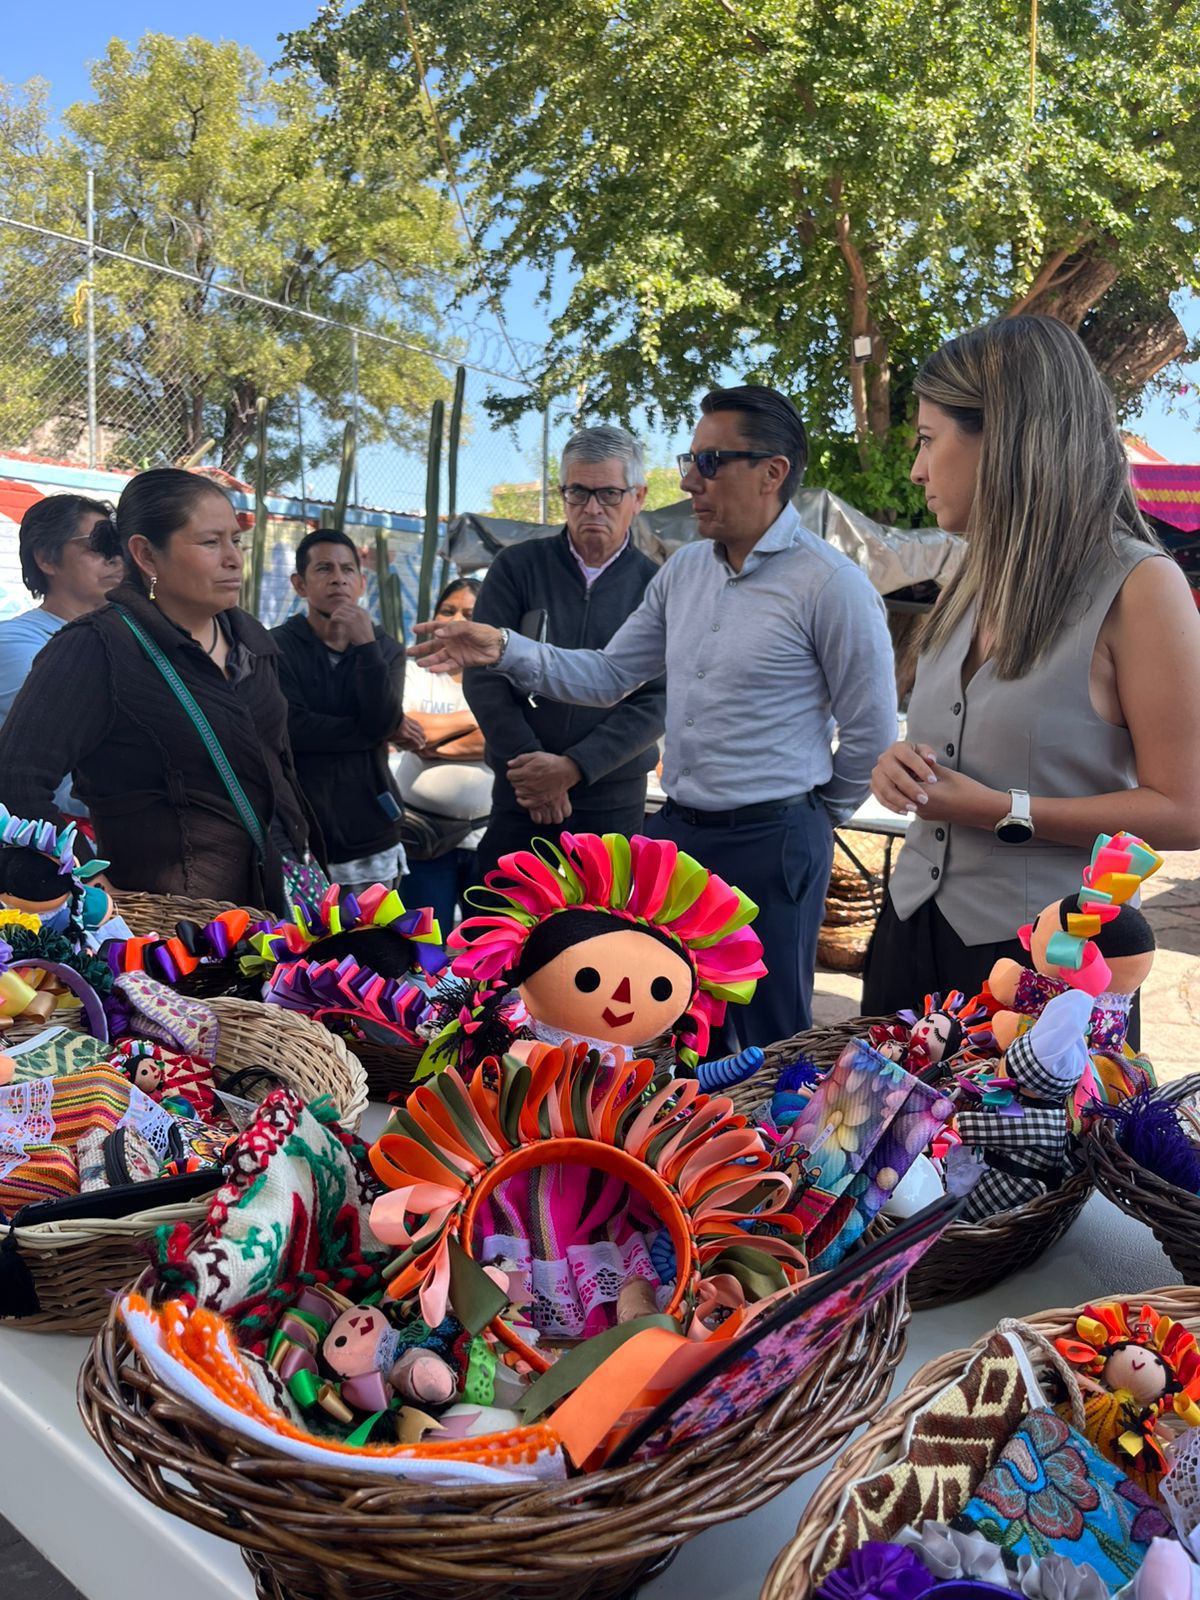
612, 941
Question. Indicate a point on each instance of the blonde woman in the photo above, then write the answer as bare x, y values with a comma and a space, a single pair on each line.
1057, 692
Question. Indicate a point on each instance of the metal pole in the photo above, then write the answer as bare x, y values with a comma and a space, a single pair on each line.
354, 406
300, 447
91, 317
545, 495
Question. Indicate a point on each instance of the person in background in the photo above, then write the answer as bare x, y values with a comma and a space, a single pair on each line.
61, 568
1056, 687
447, 784
344, 682
556, 763
96, 704
769, 639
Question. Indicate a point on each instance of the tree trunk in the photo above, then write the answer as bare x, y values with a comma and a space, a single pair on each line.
1070, 284
240, 420
1129, 351
870, 380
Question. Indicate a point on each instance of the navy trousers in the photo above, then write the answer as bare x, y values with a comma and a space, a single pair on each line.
783, 864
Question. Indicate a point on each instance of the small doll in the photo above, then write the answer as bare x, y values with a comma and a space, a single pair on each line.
181, 1083
350, 1359
944, 1030
611, 941
1142, 1371
1093, 940
1021, 1130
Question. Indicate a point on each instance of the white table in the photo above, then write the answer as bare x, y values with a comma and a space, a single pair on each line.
58, 1489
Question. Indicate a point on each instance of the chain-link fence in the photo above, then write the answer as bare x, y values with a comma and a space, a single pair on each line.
113, 362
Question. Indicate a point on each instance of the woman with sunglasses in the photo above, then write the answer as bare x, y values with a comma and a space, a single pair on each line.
1057, 691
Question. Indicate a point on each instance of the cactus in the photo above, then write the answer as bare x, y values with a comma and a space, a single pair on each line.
334, 516
252, 570
456, 411
433, 484
391, 600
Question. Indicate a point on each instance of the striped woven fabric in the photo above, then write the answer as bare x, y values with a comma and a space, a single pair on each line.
42, 1121
1171, 493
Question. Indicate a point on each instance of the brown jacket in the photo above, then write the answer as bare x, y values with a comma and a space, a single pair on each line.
96, 706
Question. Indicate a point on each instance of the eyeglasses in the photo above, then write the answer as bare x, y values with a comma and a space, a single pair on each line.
578, 494
709, 462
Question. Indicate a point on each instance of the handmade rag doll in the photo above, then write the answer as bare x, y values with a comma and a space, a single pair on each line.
611, 941
1142, 1369
1093, 940
945, 1029
1021, 1129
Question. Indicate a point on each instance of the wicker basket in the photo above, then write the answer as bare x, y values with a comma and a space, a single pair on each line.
311, 1533
1171, 1214
77, 1266
158, 913
969, 1257
796, 1571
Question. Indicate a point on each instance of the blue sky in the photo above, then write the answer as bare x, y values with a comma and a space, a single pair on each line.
58, 47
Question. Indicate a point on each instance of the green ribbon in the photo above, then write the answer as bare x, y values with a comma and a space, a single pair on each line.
569, 1371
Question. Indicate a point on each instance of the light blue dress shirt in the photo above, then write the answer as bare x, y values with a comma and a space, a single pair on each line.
762, 666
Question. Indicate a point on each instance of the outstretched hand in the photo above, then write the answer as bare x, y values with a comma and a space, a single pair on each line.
450, 646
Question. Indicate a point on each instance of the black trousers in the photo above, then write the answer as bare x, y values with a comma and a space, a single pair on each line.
515, 830
783, 864
908, 960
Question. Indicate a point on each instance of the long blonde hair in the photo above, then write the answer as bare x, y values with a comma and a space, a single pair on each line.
1053, 494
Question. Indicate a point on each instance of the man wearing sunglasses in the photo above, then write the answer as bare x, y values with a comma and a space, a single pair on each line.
557, 764
771, 642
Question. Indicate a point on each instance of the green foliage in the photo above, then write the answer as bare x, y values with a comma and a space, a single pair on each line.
745, 185
207, 165
873, 473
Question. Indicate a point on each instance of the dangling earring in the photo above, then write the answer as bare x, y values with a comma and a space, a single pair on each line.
153, 584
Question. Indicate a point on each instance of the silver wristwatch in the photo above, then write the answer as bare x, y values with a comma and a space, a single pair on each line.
504, 636
1017, 826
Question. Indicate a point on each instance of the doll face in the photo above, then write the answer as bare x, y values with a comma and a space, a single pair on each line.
1138, 1369
351, 1344
148, 1076
626, 987
933, 1032
1128, 973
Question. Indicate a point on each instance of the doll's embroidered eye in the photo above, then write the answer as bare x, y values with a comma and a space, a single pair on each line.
587, 980
661, 989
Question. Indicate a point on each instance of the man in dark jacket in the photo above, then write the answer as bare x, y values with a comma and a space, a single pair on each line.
344, 682
580, 766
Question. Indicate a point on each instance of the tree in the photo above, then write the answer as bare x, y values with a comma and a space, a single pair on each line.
206, 165
754, 185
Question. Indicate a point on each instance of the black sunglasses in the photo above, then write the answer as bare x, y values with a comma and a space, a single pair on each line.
709, 462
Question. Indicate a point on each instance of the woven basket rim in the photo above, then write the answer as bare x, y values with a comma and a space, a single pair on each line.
791, 1574
614, 1518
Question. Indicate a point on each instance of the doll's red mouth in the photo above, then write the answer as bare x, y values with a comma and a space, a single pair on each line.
616, 1019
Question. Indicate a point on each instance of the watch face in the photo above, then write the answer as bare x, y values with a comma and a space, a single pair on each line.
1014, 830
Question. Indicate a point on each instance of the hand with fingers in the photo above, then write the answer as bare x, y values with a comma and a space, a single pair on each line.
451, 646
902, 777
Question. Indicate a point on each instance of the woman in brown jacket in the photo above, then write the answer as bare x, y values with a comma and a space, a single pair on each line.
96, 705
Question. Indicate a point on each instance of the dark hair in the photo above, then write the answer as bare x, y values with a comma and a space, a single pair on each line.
1128, 934
323, 536
557, 933
47, 527
155, 504
768, 421
454, 586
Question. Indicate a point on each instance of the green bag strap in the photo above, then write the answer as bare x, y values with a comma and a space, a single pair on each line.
203, 727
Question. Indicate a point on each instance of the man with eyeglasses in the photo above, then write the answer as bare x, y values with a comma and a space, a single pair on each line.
555, 764
771, 641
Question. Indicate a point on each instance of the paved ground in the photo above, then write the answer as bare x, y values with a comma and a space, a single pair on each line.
1170, 997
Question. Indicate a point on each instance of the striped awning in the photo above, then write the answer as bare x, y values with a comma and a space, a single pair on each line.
1171, 493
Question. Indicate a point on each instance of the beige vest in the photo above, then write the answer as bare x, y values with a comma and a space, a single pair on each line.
1039, 733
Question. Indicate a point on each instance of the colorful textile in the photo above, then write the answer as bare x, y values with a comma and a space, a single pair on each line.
192, 1351
58, 1053
153, 1011
1170, 492
43, 1120
1051, 1490
295, 1211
